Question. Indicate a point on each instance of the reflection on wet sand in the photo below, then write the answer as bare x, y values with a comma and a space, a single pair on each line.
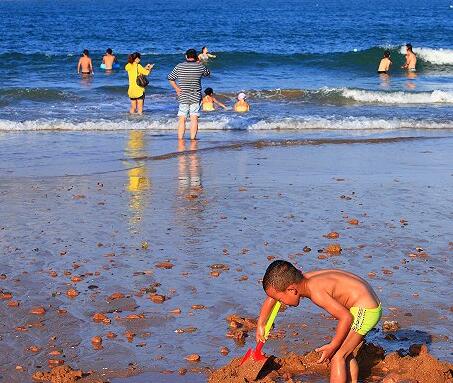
138, 181
189, 213
189, 169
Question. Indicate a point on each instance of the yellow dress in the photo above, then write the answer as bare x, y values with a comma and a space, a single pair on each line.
134, 90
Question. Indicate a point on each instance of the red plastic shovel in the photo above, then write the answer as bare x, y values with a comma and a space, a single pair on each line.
255, 354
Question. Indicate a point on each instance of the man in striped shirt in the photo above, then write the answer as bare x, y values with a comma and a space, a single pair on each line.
185, 78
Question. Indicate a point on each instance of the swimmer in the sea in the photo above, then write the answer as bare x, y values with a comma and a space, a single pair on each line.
109, 59
205, 55
85, 66
411, 59
384, 65
209, 101
241, 105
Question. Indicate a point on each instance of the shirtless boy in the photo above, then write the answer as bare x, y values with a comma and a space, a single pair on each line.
384, 65
344, 295
85, 65
109, 59
411, 59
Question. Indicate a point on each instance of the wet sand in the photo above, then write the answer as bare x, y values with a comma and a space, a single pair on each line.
167, 247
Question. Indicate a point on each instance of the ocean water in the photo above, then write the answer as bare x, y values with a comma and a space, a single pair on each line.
303, 64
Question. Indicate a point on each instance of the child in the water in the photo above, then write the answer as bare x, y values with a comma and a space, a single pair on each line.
209, 101
384, 65
241, 105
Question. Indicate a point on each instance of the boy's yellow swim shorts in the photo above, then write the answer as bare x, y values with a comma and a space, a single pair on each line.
365, 319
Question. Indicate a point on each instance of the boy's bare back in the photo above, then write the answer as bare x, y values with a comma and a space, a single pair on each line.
347, 289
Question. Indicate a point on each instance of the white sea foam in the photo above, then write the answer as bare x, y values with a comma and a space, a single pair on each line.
350, 123
295, 123
438, 56
107, 125
368, 96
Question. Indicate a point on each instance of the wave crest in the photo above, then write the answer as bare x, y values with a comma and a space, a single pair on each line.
439, 56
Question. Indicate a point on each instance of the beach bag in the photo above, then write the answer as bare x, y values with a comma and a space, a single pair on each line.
142, 81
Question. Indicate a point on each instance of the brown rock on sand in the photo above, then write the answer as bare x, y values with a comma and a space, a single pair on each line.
332, 235
96, 340
115, 296
38, 310
353, 221
99, 317
72, 293
333, 249
193, 358
164, 265
157, 298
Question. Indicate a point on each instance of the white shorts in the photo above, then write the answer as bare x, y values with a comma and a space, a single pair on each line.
186, 110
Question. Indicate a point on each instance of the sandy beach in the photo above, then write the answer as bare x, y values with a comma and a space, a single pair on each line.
151, 246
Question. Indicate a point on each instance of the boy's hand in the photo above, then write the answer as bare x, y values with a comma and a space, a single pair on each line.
327, 352
260, 333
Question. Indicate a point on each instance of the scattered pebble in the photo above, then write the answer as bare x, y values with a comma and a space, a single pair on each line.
193, 358
391, 325
332, 235
333, 248
72, 293
198, 307
38, 310
164, 265
157, 298
96, 340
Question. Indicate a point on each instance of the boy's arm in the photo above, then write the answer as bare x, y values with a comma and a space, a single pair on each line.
265, 311
325, 301
79, 65
219, 103
91, 66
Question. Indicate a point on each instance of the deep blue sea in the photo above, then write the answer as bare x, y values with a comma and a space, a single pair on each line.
303, 64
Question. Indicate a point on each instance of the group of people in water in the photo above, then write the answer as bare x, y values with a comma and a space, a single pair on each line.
185, 79
409, 65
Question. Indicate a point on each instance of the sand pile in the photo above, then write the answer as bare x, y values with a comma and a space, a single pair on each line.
416, 367
60, 374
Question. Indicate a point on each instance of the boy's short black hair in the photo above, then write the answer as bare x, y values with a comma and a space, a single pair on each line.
280, 274
387, 53
191, 54
109, 51
208, 91
409, 46
85, 52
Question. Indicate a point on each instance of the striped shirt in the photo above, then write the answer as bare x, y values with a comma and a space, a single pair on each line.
188, 76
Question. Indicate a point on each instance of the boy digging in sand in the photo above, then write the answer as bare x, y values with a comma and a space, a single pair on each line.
344, 295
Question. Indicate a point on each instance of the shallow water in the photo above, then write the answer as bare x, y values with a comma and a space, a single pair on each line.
237, 205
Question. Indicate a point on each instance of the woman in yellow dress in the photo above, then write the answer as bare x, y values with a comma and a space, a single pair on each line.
136, 93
